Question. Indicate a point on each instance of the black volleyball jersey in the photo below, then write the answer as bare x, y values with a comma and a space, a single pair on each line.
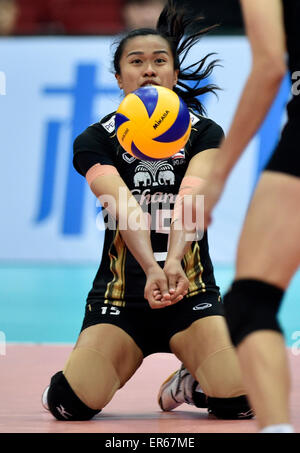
155, 185
291, 21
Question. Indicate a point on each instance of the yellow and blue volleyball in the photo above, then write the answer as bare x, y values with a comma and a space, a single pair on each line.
152, 123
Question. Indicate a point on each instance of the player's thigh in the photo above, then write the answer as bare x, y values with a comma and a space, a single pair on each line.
203, 338
115, 345
269, 246
206, 350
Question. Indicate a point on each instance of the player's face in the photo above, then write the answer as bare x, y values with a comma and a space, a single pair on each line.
146, 60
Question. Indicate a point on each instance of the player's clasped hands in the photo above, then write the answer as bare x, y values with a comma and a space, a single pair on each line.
166, 286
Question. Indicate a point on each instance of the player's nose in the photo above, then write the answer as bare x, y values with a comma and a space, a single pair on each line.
149, 71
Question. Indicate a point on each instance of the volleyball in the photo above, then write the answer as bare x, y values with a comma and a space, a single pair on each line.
152, 123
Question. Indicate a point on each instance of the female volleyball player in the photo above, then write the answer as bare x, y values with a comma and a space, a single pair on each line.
269, 247
133, 310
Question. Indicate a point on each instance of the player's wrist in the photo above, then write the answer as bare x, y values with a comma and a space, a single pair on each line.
173, 260
150, 268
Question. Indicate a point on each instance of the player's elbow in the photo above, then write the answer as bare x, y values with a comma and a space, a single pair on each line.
279, 69
271, 69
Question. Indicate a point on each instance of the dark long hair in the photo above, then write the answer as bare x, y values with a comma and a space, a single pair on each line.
172, 25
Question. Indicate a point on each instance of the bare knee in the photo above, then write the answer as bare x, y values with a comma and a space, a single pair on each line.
114, 344
104, 358
92, 377
219, 374
84, 387
207, 352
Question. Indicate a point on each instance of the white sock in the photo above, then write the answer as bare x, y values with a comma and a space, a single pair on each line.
280, 428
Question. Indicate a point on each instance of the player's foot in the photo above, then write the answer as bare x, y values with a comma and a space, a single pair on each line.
44, 398
177, 389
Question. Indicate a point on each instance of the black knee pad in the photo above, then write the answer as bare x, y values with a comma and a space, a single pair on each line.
64, 404
230, 408
251, 305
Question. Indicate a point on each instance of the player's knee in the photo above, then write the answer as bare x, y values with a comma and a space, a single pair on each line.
230, 408
252, 305
64, 404
92, 377
219, 374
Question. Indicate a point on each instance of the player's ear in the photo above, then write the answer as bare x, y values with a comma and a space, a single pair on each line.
119, 80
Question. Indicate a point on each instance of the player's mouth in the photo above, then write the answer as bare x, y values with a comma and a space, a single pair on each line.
149, 82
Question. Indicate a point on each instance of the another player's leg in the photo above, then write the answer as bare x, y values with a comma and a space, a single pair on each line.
103, 360
268, 256
214, 378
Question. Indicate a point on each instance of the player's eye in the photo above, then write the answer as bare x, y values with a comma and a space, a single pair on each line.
136, 61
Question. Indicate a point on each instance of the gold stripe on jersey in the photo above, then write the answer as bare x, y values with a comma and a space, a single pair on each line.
115, 289
115, 303
194, 269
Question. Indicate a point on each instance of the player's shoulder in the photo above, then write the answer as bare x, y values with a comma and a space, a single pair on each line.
96, 134
107, 123
200, 122
105, 127
205, 133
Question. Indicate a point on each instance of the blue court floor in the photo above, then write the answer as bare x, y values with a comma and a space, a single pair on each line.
42, 303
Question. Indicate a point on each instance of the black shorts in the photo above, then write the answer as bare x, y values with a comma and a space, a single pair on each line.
286, 157
152, 329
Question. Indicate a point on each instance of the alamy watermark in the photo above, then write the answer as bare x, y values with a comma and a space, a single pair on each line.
2, 83
152, 212
296, 83
2, 343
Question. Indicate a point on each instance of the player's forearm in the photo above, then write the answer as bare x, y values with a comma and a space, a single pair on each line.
179, 243
259, 92
135, 232
124, 208
139, 244
186, 221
